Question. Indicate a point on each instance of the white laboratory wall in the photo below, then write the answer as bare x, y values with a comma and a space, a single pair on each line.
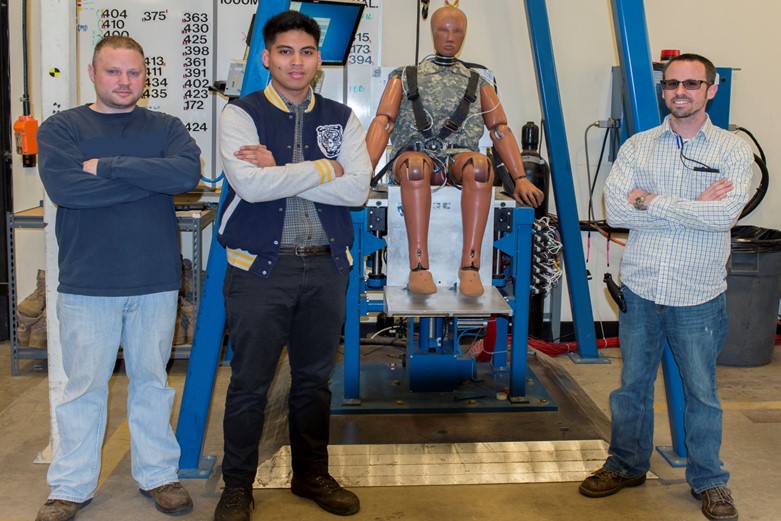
734, 34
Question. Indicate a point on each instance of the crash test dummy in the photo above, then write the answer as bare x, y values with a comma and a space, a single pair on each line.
434, 115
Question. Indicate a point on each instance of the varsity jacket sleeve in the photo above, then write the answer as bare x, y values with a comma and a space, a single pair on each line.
256, 184
178, 171
63, 177
353, 187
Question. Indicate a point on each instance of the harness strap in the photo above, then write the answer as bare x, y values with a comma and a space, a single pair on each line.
451, 124
455, 121
413, 95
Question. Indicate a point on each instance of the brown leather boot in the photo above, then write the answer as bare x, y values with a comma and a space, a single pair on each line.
188, 319
59, 510
23, 328
33, 304
180, 330
171, 498
717, 503
38, 336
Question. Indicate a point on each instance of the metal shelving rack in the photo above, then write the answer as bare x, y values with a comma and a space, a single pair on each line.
193, 221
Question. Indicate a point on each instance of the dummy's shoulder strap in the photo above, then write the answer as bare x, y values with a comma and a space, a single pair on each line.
456, 119
413, 95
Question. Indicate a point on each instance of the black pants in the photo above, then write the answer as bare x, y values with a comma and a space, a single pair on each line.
301, 305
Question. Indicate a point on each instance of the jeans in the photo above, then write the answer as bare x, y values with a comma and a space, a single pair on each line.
695, 335
301, 305
91, 331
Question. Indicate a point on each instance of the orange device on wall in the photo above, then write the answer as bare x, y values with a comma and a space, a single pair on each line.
26, 135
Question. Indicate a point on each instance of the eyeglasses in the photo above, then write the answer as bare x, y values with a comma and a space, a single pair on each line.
687, 84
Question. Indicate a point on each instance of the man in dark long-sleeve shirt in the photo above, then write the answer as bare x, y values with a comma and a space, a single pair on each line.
112, 168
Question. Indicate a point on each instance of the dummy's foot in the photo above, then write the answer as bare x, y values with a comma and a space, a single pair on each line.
469, 282
421, 282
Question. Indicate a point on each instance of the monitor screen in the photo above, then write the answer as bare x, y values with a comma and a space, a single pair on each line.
338, 22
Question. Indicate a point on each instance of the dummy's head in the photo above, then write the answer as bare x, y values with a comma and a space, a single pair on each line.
448, 29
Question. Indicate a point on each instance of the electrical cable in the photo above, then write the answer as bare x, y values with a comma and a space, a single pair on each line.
759, 147
25, 74
761, 191
215, 180
761, 162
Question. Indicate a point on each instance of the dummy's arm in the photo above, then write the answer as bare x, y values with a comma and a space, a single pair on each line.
505, 143
382, 124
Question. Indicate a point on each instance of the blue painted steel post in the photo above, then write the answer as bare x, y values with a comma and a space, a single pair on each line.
641, 109
642, 113
364, 244
522, 272
352, 323
561, 174
517, 244
676, 403
210, 325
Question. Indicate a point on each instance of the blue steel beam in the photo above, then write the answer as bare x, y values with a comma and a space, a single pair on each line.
641, 108
364, 244
561, 174
210, 325
641, 111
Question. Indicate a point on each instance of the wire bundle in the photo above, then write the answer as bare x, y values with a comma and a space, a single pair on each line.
546, 268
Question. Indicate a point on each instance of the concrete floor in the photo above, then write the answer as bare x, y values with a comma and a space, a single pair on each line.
752, 413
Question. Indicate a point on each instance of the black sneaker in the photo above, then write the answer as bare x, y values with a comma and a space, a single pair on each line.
605, 482
717, 503
236, 504
326, 492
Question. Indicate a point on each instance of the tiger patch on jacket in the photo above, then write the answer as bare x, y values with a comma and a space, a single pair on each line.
329, 139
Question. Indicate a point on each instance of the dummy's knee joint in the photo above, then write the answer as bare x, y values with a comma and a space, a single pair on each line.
481, 168
415, 169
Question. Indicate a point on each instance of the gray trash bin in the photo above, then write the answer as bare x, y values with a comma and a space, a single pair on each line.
753, 292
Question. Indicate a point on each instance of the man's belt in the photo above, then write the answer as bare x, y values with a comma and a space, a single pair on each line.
305, 251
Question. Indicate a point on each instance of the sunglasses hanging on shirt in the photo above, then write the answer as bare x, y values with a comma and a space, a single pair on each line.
700, 167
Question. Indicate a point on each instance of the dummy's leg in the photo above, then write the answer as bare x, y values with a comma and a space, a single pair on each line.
474, 173
412, 170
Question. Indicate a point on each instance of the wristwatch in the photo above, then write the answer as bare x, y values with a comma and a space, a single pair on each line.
640, 202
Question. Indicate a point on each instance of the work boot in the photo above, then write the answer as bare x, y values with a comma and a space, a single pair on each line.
187, 274
188, 319
605, 482
236, 504
324, 490
717, 503
23, 328
33, 304
188, 288
171, 498
38, 333
469, 282
421, 282
180, 332
59, 510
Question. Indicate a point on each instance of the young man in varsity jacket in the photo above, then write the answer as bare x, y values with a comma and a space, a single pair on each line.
295, 162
